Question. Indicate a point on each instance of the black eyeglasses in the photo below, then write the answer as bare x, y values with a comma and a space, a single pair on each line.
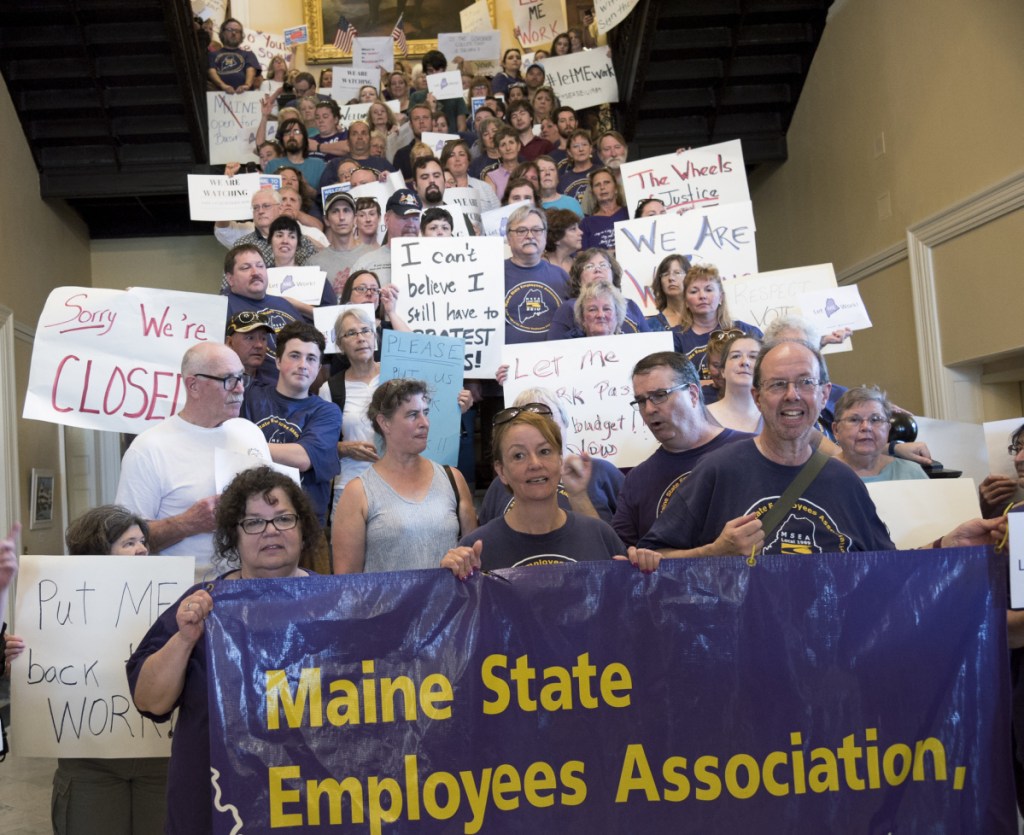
655, 398
254, 524
229, 381
505, 415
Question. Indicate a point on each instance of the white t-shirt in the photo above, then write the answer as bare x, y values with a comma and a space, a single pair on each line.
170, 467
355, 426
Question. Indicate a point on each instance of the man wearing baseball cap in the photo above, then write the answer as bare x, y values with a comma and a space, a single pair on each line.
247, 334
402, 220
343, 243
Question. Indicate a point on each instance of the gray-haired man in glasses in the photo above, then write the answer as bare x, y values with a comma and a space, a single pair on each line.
534, 288
670, 402
167, 474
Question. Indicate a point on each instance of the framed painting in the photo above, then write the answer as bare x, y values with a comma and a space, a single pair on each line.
41, 505
423, 20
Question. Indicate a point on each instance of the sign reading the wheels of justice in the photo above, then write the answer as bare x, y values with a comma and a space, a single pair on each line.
708, 176
81, 617
448, 287
592, 379
709, 696
111, 359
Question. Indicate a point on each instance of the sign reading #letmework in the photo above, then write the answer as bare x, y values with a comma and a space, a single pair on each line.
111, 359
591, 377
583, 79
454, 287
81, 617
708, 176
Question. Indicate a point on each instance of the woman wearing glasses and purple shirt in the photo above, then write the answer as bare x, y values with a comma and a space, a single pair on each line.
536, 529
265, 525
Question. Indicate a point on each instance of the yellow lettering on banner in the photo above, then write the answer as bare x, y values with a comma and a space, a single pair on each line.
636, 775
335, 791
279, 796
379, 814
540, 777
278, 694
674, 772
706, 771
571, 775
557, 685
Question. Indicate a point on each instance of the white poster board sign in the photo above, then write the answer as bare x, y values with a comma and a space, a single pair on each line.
1015, 523
997, 442
495, 221
303, 283
445, 85
325, 318
453, 287
762, 298
111, 359
476, 18
436, 140
233, 121
467, 200
536, 22
212, 197
610, 13
840, 307
583, 79
267, 45
719, 235
958, 446
591, 379
919, 511
472, 46
81, 617
708, 176
374, 52
346, 82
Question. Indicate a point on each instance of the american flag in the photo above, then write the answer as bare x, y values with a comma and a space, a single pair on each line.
398, 35
343, 37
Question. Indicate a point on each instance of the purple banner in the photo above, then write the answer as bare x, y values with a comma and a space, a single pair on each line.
829, 693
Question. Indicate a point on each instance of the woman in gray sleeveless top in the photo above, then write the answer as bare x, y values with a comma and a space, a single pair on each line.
402, 512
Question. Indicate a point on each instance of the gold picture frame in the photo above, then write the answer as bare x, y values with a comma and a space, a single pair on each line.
423, 17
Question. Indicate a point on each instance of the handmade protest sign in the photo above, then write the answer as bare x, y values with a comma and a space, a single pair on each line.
111, 359
267, 45
708, 176
81, 617
839, 307
233, 121
551, 703
324, 319
610, 13
536, 22
453, 287
303, 283
583, 79
346, 82
472, 46
718, 235
445, 85
467, 200
227, 464
374, 52
438, 361
475, 18
918, 511
211, 197
591, 377
762, 298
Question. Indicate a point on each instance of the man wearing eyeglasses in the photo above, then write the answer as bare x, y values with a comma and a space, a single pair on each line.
291, 133
167, 474
717, 511
670, 401
302, 431
534, 288
232, 69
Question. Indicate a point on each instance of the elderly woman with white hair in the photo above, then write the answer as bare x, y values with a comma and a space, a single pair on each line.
589, 486
861, 428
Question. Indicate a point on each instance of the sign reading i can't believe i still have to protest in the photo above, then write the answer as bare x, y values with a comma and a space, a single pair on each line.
707, 697
111, 359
